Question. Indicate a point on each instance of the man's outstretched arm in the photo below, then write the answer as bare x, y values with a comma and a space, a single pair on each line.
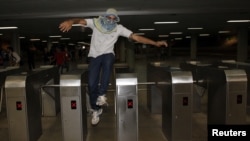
145, 40
65, 26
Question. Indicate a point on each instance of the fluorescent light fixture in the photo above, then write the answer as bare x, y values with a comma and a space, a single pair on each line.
44, 41
169, 22
55, 36
83, 43
223, 31
204, 35
64, 38
71, 44
146, 29
55, 42
139, 33
238, 21
1, 34
178, 38
77, 25
162, 35
194, 28
34, 39
175, 33
9, 27
21, 37
188, 37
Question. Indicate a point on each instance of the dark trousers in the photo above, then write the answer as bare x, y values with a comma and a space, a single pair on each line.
99, 71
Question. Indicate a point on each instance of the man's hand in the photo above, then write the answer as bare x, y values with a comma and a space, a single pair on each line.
66, 26
161, 43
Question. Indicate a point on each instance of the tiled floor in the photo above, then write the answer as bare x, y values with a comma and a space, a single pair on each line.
149, 124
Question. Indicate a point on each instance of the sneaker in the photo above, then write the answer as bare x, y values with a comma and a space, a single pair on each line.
101, 100
95, 116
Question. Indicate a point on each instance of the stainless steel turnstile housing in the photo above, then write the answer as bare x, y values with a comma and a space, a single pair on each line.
3, 74
244, 66
24, 104
177, 106
227, 93
126, 107
73, 107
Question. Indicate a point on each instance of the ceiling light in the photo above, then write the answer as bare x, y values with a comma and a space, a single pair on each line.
178, 38
204, 35
224, 32
162, 35
44, 41
55, 36
139, 33
9, 27
146, 29
188, 37
170, 22
64, 38
238, 21
1, 34
21, 37
194, 28
83, 43
175, 32
34, 39
71, 44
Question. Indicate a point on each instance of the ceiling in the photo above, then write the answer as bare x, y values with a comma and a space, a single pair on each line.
40, 18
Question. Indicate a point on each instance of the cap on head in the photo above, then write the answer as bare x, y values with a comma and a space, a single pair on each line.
113, 12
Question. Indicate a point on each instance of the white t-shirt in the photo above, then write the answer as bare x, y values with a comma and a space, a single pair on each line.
102, 43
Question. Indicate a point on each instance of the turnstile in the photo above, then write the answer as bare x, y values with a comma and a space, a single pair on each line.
3, 74
50, 96
24, 104
156, 73
199, 74
244, 66
177, 106
227, 92
154, 94
73, 107
126, 107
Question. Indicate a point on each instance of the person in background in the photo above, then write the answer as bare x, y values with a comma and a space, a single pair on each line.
106, 31
67, 59
47, 57
4, 57
59, 58
14, 58
31, 56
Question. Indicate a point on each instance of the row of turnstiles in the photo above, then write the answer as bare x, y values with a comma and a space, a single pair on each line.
45, 92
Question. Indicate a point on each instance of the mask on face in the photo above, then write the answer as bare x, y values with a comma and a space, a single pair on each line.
105, 25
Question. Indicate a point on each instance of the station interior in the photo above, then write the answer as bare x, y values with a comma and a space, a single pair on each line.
171, 93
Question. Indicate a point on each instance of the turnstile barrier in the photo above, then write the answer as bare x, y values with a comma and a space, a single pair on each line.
3, 74
177, 106
240, 65
24, 104
227, 93
199, 73
156, 73
73, 107
126, 107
